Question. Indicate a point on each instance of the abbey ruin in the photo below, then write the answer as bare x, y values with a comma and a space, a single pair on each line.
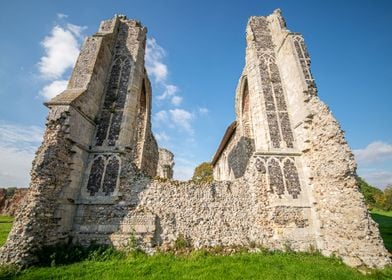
284, 173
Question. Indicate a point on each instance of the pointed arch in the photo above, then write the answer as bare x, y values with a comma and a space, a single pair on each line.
245, 109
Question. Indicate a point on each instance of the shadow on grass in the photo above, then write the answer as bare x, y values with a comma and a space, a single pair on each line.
385, 226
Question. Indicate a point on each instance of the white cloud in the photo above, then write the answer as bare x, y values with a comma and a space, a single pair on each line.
169, 91
161, 116
203, 111
175, 118
13, 135
53, 89
176, 100
162, 136
379, 179
61, 16
17, 149
375, 152
159, 71
154, 55
61, 48
61, 51
182, 118
183, 172
76, 29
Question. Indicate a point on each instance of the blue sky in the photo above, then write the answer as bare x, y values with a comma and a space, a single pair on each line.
196, 55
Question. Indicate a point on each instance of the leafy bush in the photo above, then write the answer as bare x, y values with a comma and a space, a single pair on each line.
203, 173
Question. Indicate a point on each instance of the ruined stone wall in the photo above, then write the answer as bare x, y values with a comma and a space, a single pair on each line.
226, 213
36, 223
165, 164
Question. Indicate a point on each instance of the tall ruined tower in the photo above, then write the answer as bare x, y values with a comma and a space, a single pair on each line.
284, 173
97, 129
296, 148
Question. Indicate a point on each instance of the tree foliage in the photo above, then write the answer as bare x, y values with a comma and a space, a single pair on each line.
369, 192
9, 192
203, 172
375, 197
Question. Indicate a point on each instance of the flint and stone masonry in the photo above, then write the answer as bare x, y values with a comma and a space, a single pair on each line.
284, 174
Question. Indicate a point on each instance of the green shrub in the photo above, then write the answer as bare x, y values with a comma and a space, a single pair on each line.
182, 242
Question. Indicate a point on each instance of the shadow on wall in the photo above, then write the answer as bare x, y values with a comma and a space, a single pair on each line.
239, 156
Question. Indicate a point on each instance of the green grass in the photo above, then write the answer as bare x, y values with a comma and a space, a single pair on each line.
5, 227
384, 220
202, 265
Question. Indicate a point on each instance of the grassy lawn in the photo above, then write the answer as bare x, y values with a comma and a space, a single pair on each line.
202, 265
5, 227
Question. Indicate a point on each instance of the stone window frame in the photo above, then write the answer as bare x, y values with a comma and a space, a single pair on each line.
269, 59
302, 58
106, 158
262, 165
123, 59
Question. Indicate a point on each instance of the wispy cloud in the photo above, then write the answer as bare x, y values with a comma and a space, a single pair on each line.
61, 16
161, 116
377, 178
17, 149
203, 111
159, 72
173, 124
154, 61
184, 172
169, 91
175, 118
162, 136
375, 163
182, 119
61, 49
374, 152
176, 100
51, 90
